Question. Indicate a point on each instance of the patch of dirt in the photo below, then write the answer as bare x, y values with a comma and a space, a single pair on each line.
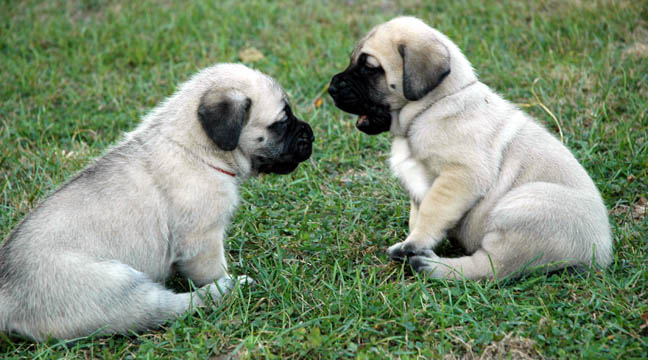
573, 77
638, 49
250, 55
241, 354
640, 32
510, 347
638, 42
353, 175
636, 211
560, 7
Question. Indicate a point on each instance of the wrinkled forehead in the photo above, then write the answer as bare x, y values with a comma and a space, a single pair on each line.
374, 42
275, 88
271, 93
269, 101
355, 54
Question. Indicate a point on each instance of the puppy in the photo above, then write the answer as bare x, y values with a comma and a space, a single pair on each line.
476, 167
93, 255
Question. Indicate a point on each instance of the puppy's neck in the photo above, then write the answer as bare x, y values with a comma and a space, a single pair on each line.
232, 163
229, 162
402, 120
242, 163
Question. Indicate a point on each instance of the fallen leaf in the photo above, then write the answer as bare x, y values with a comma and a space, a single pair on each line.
318, 102
644, 326
250, 55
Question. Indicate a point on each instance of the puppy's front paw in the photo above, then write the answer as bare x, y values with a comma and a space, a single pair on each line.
225, 285
396, 252
405, 249
245, 280
222, 286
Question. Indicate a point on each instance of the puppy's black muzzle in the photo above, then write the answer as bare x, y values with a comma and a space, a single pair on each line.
304, 141
345, 98
297, 147
351, 93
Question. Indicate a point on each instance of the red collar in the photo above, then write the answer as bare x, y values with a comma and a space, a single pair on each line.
221, 170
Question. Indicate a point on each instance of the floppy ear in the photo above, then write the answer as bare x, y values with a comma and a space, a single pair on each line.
222, 115
425, 64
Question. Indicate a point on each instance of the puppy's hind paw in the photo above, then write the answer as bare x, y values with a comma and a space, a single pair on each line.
427, 264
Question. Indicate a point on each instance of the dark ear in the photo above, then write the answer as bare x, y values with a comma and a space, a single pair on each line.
222, 115
425, 65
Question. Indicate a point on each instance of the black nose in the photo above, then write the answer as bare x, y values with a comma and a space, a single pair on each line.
332, 90
304, 141
336, 84
306, 133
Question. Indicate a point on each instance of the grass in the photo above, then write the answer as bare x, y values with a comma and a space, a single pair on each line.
76, 75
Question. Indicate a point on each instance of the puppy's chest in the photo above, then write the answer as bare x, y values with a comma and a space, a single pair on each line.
200, 203
412, 173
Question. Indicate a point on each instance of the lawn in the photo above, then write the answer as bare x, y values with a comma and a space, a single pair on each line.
76, 75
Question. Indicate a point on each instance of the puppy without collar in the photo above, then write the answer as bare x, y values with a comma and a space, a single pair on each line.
475, 166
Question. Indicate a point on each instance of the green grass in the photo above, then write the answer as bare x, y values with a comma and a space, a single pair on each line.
76, 75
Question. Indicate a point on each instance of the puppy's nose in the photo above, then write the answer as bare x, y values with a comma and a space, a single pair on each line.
333, 90
304, 141
336, 84
306, 133
309, 136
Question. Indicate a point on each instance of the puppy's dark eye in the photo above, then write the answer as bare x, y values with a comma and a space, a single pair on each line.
284, 122
281, 124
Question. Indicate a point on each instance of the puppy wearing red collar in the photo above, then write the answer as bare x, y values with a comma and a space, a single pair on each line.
93, 256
